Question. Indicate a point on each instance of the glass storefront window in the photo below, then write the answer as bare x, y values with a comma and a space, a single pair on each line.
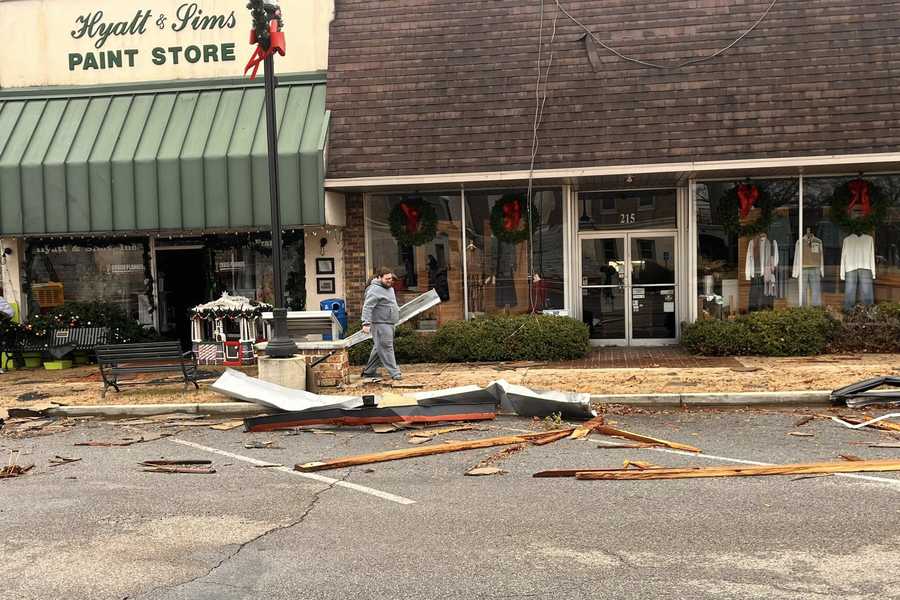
638, 209
853, 269
246, 270
498, 270
746, 246
89, 273
436, 263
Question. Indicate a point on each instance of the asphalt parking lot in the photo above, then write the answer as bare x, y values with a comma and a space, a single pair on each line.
419, 528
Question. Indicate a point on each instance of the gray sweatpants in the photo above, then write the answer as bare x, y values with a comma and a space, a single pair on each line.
382, 350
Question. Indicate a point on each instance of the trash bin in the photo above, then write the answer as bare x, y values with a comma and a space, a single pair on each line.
339, 307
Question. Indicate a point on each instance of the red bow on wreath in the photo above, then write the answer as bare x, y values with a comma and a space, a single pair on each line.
747, 196
859, 195
412, 217
276, 44
512, 215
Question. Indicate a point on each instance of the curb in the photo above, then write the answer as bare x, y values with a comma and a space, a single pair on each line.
804, 398
238, 409
246, 409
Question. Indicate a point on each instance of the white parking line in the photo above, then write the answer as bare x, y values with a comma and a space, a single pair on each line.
890, 482
313, 476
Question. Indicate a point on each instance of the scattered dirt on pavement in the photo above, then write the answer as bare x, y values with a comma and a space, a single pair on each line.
81, 385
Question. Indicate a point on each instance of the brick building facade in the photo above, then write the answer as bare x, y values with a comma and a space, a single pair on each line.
687, 155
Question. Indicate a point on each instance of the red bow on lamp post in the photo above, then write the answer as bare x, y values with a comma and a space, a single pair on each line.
512, 215
276, 44
412, 217
859, 195
747, 196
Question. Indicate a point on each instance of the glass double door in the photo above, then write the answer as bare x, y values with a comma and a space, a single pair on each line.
628, 287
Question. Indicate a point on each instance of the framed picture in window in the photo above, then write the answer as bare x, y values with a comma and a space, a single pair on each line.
325, 266
325, 285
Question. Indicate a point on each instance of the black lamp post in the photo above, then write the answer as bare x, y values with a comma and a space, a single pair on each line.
267, 35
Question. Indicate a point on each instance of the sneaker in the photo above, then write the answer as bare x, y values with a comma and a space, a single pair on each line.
365, 375
397, 377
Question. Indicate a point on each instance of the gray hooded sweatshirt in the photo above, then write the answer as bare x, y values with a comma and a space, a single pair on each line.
380, 305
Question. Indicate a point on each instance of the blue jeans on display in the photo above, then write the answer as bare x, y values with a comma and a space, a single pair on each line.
812, 283
858, 280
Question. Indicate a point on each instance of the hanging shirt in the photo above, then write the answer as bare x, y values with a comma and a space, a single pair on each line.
858, 252
762, 257
809, 252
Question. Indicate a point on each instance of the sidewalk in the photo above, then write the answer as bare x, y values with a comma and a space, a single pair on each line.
618, 372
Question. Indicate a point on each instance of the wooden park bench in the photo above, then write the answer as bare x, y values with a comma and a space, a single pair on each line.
306, 324
151, 357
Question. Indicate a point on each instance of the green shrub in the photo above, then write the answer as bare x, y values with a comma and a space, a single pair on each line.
488, 339
520, 337
791, 331
787, 332
712, 337
870, 329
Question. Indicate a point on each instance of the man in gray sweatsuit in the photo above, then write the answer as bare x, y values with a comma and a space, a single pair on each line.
380, 315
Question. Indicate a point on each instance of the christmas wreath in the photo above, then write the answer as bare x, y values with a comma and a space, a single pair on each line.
509, 218
736, 204
871, 200
413, 222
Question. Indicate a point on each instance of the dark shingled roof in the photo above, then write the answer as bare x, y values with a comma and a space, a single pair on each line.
448, 86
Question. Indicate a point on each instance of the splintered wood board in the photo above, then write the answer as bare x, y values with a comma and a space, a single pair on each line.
862, 466
637, 437
365, 459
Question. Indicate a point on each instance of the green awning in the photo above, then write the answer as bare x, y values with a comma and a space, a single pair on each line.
170, 159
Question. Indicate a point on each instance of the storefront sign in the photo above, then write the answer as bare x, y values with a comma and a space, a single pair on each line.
125, 269
72, 42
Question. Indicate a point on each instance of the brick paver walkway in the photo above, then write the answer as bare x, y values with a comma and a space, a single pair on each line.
637, 357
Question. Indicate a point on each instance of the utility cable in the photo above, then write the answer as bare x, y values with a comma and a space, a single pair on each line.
540, 101
660, 66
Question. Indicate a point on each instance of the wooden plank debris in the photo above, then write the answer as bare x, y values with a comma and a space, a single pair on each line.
426, 435
552, 437
184, 466
385, 428
184, 470
164, 463
482, 471
62, 460
802, 477
365, 459
583, 430
885, 445
636, 437
863, 466
12, 468
804, 420
801, 434
198, 423
267, 445
227, 425
150, 437
850, 457
639, 464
